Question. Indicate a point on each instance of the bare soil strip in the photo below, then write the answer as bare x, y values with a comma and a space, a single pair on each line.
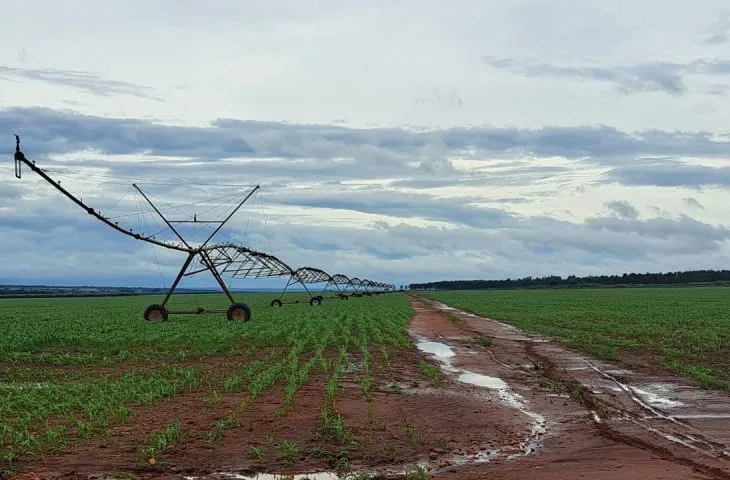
602, 419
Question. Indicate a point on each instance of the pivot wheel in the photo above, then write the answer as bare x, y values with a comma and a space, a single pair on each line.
239, 312
344, 297
155, 313
276, 303
314, 301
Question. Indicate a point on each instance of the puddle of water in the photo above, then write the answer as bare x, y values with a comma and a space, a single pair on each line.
440, 350
479, 380
443, 354
635, 393
402, 470
654, 399
443, 306
271, 476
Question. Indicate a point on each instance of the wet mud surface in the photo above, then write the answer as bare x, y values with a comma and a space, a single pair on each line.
602, 419
506, 406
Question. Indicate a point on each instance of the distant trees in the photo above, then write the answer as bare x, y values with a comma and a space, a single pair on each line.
668, 278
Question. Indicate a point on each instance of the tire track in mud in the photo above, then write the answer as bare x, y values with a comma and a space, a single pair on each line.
618, 409
594, 404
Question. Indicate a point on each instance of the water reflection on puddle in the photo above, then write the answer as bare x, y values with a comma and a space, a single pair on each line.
654, 399
272, 476
479, 380
435, 348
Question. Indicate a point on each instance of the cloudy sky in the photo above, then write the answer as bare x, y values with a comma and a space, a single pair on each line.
404, 141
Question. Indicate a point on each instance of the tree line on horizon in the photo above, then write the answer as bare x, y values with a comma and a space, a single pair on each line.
553, 281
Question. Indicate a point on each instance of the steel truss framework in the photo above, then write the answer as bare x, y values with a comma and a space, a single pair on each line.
221, 260
306, 276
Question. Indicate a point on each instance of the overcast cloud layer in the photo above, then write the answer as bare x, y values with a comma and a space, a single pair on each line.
404, 142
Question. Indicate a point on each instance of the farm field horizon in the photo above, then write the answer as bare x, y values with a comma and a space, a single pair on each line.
345, 387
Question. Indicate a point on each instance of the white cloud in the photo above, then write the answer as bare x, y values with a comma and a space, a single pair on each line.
562, 154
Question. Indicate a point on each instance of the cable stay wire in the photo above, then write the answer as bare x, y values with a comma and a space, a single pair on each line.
154, 252
172, 207
150, 211
241, 195
141, 207
199, 227
117, 202
179, 208
229, 196
268, 234
141, 204
243, 238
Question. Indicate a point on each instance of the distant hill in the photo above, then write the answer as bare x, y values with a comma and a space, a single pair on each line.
692, 277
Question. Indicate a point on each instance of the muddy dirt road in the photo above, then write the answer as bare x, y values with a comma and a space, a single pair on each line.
582, 418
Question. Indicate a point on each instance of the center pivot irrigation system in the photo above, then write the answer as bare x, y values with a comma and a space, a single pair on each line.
223, 259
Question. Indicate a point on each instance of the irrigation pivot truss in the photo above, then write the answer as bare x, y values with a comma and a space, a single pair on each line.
221, 260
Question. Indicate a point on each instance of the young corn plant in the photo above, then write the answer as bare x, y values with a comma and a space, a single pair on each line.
256, 453
163, 441
289, 450
218, 432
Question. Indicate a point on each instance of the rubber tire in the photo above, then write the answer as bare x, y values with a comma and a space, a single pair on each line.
276, 303
344, 297
315, 301
238, 312
155, 313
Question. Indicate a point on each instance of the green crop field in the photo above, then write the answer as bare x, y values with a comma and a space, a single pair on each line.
72, 368
684, 329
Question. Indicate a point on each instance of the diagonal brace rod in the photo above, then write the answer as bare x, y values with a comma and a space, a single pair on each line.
185, 266
161, 215
213, 270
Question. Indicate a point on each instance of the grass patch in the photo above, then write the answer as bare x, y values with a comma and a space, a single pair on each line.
432, 373
483, 341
